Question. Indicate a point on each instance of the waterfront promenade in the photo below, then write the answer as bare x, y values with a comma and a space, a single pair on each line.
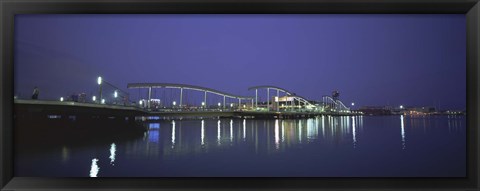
59, 108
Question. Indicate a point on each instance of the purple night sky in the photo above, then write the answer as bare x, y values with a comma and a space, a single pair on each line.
414, 60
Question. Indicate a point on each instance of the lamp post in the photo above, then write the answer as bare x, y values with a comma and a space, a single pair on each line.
94, 98
174, 103
61, 98
203, 105
99, 82
115, 95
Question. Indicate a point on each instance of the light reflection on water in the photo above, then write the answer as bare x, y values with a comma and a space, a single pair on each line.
231, 130
218, 132
113, 149
202, 137
94, 168
354, 133
244, 129
173, 134
403, 131
203, 132
356, 138
286, 135
197, 135
277, 136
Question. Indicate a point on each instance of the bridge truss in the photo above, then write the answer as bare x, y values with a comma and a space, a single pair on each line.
290, 101
182, 87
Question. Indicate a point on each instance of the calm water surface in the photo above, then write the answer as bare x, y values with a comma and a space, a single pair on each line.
359, 146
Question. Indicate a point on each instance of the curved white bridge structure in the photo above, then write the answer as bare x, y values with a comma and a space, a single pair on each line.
289, 100
291, 95
334, 105
150, 86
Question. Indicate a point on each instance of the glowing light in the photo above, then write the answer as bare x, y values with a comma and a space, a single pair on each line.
283, 131
154, 126
312, 130
219, 104
153, 118
173, 133
244, 106
300, 130
99, 80
244, 128
94, 168
94, 98
231, 105
354, 133
54, 116
323, 125
353, 104
174, 103
153, 136
61, 98
277, 135
115, 94
276, 98
231, 130
103, 101
203, 103
113, 149
203, 132
401, 106
218, 131
403, 131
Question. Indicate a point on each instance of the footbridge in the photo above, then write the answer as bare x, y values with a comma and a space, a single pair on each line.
288, 101
275, 99
182, 87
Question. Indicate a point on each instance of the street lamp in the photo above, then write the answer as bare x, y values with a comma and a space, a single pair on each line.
353, 104
231, 105
203, 104
115, 94
99, 82
61, 98
401, 106
219, 104
174, 103
103, 101
94, 98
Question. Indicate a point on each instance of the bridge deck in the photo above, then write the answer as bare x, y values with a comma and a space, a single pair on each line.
103, 109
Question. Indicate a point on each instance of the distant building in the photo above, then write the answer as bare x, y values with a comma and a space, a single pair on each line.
375, 110
420, 110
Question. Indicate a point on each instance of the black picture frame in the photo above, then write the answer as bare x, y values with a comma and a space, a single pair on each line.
9, 8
